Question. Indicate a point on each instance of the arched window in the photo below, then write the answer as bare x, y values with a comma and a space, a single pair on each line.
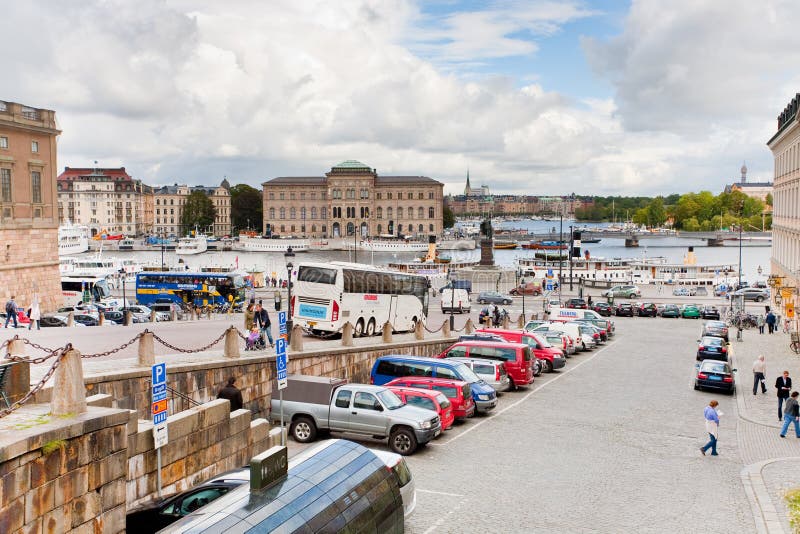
272, 213
421, 228
313, 228
431, 213
421, 213
292, 213
399, 213
283, 228
380, 213
324, 214
283, 215
430, 227
380, 228
313, 212
303, 213
351, 228
364, 229
399, 228
410, 213
388, 213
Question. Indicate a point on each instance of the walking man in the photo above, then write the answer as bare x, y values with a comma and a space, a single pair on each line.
760, 323
712, 427
11, 312
784, 385
231, 393
791, 415
770, 320
262, 319
759, 374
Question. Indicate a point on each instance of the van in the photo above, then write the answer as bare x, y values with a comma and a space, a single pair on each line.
517, 357
570, 314
457, 284
573, 330
552, 357
389, 367
455, 301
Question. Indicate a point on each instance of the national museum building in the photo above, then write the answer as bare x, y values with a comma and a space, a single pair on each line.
352, 198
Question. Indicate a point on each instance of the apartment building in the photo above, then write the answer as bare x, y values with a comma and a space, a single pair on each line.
168, 202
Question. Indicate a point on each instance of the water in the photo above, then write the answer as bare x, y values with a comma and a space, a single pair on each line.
672, 248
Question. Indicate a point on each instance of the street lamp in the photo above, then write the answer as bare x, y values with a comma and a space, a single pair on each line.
452, 279
124, 300
521, 286
288, 255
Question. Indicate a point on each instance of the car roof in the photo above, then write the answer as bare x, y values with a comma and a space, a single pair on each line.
424, 392
477, 360
431, 379
505, 345
710, 363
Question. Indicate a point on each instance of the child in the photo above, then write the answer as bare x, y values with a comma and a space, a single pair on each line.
252, 338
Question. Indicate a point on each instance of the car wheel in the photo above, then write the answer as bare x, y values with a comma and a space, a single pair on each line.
511, 385
506, 302
304, 430
632, 295
696, 387
759, 299
371, 327
358, 331
537, 368
481, 301
403, 441
548, 366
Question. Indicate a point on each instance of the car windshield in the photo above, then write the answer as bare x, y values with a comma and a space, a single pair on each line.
715, 367
466, 374
712, 341
389, 399
671, 307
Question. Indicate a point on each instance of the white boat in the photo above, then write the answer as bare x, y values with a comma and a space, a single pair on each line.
191, 245
392, 245
257, 244
96, 266
72, 239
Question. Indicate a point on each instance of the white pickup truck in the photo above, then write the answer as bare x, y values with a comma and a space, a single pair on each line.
313, 404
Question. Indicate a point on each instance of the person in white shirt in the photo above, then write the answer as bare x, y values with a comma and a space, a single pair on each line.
760, 375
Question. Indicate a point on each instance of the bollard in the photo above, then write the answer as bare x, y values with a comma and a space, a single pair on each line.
152, 316
231, 343
71, 319
173, 316
387, 332
505, 322
297, 338
147, 351
126, 318
419, 331
68, 382
101, 319
16, 347
521, 321
347, 335
469, 327
535, 316
446, 329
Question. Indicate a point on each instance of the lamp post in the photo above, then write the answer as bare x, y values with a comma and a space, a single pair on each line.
740, 257
288, 255
569, 255
451, 276
521, 286
560, 244
124, 300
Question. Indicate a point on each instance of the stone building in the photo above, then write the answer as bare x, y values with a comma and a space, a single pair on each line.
757, 190
785, 146
352, 199
28, 205
170, 199
105, 200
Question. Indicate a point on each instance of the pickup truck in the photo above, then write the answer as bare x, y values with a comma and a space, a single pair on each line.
314, 404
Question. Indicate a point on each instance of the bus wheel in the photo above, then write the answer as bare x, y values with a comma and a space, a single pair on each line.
371, 327
359, 329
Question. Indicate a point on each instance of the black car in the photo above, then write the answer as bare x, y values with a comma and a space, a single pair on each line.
716, 329
85, 320
603, 308
713, 348
160, 513
647, 309
576, 304
53, 321
114, 317
714, 374
625, 310
709, 312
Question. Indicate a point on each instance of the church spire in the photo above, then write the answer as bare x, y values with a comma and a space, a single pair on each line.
467, 189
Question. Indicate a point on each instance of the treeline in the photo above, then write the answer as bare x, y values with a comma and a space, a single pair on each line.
691, 212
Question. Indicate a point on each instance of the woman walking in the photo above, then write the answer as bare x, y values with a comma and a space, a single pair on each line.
34, 312
760, 324
712, 427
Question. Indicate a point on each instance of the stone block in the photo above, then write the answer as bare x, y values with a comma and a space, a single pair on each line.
33, 528
100, 400
70, 485
93, 526
259, 430
85, 508
109, 468
15, 484
239, 421
13, 516
113, 494
183, 423
173, 472
176, 449
142, 441
10, 465
114, 520
39, 501
214, 412
76, 453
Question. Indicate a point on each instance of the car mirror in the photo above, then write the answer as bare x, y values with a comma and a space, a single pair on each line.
734, 370
378, 407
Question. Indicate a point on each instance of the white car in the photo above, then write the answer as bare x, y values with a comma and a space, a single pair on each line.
399, 467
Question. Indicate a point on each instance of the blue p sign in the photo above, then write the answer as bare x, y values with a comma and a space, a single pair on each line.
159, 374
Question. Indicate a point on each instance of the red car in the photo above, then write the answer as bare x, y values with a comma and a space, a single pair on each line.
516, 356
459, 393
552, 357
428, 399
22, 318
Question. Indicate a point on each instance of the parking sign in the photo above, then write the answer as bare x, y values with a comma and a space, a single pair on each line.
281, 362
158, 408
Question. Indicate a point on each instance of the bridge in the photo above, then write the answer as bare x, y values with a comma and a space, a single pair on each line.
632, 237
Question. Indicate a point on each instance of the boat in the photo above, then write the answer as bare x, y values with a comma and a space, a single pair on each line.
386, 244
72, 239
505, 245
105, 235
191, 245
95, 266
544, 245
591, 240
262, 244
126, 244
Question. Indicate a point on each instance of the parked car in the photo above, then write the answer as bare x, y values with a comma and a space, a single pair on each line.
398, 466
482, 336
387, 368
690, 311
493, 372
167, 308
532, 324
114, 317
715, 328
157, 514
551, 357
624, 309
710, 312
647, 309
700, 291
714, 374
752, 293
458, 392
582, 341
671, 310
313, 403
494, 297
429, 400
603, 308
576, 303
559, 340
601, 327
711, 347
85, 320
528, 288
623, 291
516, 356
681, 292
53, 321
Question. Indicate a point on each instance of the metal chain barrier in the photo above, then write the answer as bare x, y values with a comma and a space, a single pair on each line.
28, 342
60, 353
432, 331
199, 349
112, 351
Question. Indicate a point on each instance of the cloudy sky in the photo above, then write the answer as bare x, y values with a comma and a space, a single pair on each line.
533, 97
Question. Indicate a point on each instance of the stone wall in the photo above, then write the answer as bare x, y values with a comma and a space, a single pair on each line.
28, 264
77, 487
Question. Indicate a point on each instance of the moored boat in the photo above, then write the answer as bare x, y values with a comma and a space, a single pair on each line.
191, 245
544, 245
72, 239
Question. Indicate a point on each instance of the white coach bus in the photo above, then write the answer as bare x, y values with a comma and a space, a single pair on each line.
328, 295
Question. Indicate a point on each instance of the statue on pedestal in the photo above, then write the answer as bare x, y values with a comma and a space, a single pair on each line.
487, 252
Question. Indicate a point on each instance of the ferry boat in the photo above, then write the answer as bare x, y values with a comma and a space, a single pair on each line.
385, 244
72, 239
544, 245
191, 245
126, 244
505, 245
96, 266
260, 244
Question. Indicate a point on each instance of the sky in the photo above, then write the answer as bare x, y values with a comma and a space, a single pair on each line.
531, 97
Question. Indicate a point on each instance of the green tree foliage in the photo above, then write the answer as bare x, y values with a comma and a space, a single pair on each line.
247, 208
448, 219
198, 211
769, 199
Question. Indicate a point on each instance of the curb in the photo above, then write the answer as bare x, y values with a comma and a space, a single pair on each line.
741, 408
765, 515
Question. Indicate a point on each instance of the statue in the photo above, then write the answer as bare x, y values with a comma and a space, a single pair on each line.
486, 228
487, 254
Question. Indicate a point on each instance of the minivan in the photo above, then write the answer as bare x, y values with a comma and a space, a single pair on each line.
493, 372
455, 300
393, 366
458, 392
517, 357
551, 357
570, 314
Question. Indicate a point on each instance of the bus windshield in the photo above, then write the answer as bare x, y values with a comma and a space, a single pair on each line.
317, 275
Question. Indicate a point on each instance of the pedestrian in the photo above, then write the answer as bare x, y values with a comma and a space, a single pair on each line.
232, 393
35, 313
760, 375
262, 319
712, 427
791, 415
249, 317
589, 301
784, 385
11, 312
760, 323
770, 320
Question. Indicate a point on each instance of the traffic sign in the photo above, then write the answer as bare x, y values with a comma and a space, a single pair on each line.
158, 408
549, 285
281, 362
159, 374
160, 418
282, 325
160, 436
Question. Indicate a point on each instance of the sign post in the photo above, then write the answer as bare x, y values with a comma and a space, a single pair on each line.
158, 410
280, 365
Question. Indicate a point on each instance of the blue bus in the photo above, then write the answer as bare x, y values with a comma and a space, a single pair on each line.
199, 289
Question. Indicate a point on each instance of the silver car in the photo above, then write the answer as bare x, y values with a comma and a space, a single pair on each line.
752, 293
492, 372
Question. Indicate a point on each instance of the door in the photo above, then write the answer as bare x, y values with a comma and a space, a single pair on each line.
340, 410
393, 310
366, 415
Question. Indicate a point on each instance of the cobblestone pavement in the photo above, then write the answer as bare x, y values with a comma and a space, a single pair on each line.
779, 477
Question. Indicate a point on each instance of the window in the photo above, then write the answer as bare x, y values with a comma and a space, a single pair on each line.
303, 213
419, 195
431, 213
34, 146
399, 213
272, 196
302, 196
323, 215
5, 184
430, 195
380, 228
272, 213
389, 196
3, 142
365, 212
36, 187
351, 228
444, 372
422, 402
421, 229
313, 212
283, 196
388, 213
291, 196
365, 401
378, 196
283, 213
430, 227
343, 397
456, 352
292, 213
380, 213
421, 213
400, 195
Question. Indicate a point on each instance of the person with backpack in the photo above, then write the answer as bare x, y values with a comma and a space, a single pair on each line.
11, 311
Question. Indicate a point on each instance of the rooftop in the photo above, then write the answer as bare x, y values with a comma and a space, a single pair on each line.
351, 164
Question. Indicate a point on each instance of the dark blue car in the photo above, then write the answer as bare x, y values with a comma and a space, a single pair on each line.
389, 367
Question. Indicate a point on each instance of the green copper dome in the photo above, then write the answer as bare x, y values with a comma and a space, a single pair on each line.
351, 164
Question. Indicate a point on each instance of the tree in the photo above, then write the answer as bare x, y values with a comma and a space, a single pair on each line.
769, 199
657, 215
247, 208
448, 219
199, 211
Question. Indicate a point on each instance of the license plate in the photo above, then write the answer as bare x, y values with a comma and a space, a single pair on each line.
439, 431
713, 349
312, 324
714, 377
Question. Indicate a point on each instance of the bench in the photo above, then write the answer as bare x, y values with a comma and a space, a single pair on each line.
5, 371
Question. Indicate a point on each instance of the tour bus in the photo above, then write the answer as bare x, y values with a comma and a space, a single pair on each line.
76, 289
337, 486
200, 289
328, 295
